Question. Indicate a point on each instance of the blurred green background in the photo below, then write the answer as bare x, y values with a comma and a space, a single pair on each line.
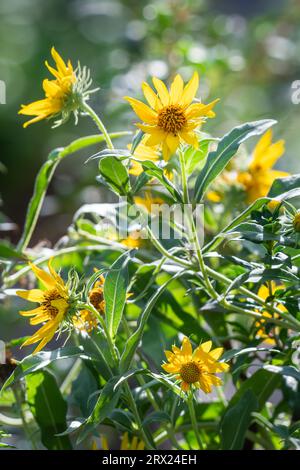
247, 53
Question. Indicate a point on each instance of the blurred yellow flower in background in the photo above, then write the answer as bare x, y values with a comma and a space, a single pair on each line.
142, 152
56, 91
135, 444
196, 368
259, 176
171, 118
54, 305
264, 292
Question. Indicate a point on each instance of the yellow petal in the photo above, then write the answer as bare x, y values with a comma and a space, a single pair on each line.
190, 138
206, 347
172, 143
190, 90
186, 348
143, 111
196, 110
216, 353
134, 443
262, 145
104, 443
151, 96
60, 64
43, 276
161, 90
125, 442
155, 138
31, 313
176, 90
33, 295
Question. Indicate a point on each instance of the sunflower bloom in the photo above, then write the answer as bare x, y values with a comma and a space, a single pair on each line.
259, 176
171, 118
135, 444
54, 305
195, 369
264, 293
63, 95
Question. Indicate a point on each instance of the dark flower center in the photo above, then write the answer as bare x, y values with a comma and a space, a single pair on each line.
172, 119
190, 372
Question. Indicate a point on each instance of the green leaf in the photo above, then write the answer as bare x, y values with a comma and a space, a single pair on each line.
136, 337
287, 371
40, 188
39, 361
156, 417
283, 185
115, 291
226, 149
236, 421
106, 403
48, 408
44, 177
151, 169
9, 252
115, 174
262, 383
228, 355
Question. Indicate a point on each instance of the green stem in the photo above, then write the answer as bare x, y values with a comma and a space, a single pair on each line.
135, 411
27, 431
85, 107
191, 221
101, 320
185, 189
191, 407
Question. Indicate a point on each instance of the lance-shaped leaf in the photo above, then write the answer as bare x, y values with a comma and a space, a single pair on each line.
115, 291
48, 408
226, 149
236, 421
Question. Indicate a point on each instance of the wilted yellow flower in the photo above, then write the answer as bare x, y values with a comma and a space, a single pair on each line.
196, 368
170, 117
135, 444
259, 176
85, 321
54, 304
264, 293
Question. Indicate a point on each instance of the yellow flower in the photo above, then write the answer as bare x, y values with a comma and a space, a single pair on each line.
196, 368
171, 118
56, 91
133, 240
135, 444
85, 321
142, 152
54, 304
264, 293
296, 222
259, 176
96, 295
148, 201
